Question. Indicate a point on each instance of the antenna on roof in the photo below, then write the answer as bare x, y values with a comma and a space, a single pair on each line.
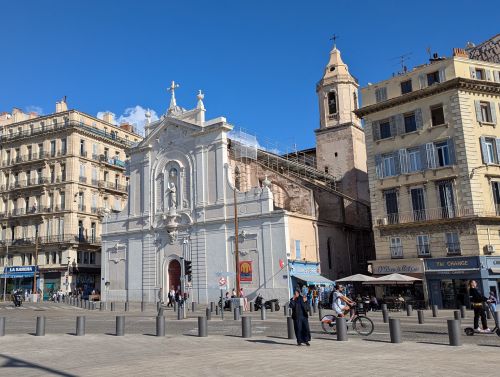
429, 51
403, 58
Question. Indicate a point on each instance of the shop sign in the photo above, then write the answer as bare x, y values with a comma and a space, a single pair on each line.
246, 271
20, 269
493, 262
459, 263
304, 268
400, 267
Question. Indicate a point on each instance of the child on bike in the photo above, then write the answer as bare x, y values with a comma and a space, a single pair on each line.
341, 303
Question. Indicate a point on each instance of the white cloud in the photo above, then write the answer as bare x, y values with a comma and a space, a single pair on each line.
35, 109
135, 116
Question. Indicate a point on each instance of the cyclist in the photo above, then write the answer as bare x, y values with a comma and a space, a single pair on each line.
341, 304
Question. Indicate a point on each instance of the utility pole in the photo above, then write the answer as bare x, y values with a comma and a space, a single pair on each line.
236, 241
4, 270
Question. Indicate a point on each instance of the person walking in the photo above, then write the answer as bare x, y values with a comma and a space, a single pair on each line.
478, 301
298, 304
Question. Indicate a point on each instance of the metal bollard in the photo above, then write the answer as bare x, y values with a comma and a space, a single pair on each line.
341, 329
217, 310
246, 327
2, 326
120, 325
212, 306
241, 309
320, 313
193, 306
251, 306
112, 306
209, 314
395, 330
180, 313
497, 317
160, 325
40, 326
81, 303
315, 308
175, 306
236, 314
434, 311
462, 311
101, 306
454, 332
289, 328
126, 306
80, 325
385, 316
160, 312
231, 307
143, 306
158, 304
285, 310
420, 315
263, 313
384, 307
409, 310
456, 314
273, 308
202, 327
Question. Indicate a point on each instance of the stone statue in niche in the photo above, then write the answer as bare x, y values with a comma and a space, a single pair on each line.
172, 190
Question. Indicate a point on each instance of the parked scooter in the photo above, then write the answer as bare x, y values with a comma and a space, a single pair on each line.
267, 304
17, 299
469, 331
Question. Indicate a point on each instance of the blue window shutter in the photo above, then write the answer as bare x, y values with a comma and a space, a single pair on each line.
376, 130
400, 124
451, 151
479, 115
442, 75
423, 157
496, 76
397, 165
378, 166
422, 81
403, 161
431, 155
484, 150
488, 75
493, 112
418, 119
392, 122
497, 141
472, 71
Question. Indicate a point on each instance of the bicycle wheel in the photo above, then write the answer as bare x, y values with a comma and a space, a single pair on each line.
329, 328
363, 325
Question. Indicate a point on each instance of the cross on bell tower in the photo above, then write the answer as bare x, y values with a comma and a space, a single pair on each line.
173, 102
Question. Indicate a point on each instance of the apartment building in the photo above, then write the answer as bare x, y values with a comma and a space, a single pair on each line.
433, 150
59, 175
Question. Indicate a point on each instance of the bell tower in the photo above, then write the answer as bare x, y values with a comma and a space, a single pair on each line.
340, 139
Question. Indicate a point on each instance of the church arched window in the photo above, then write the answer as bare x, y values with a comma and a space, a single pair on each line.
332, 103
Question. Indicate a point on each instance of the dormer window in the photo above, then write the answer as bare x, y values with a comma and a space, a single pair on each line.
332, 103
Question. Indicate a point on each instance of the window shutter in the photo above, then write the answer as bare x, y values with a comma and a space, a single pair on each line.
496, 76
451, 151
484, 150
378, 166
431, 161
423, 157
418, 119
376, 130
488, 75
497, 141
422, 81
397, 165
392, 122
479, 115
400, 123
442, 75
493, 112
472, 72
403, 161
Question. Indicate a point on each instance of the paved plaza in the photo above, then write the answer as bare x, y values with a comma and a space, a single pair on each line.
224, 352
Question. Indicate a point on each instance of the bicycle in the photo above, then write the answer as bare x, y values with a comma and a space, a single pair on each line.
360, 323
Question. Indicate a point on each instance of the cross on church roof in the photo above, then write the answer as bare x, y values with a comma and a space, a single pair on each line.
334, 39
173, 102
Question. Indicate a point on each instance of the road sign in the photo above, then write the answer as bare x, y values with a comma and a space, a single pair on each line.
222, 282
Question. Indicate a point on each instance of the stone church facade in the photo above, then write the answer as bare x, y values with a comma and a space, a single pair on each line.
294, 221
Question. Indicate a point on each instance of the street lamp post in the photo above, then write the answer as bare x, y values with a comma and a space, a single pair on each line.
236, 251
67, 277
5, 272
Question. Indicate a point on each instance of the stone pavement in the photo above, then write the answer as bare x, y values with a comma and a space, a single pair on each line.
186, 355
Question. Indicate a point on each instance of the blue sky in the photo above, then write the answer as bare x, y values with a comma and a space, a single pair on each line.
257, 61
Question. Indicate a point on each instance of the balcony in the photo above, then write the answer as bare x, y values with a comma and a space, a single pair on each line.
83, 179
436, 215
113, 186
58, 238
82, 208
396, 252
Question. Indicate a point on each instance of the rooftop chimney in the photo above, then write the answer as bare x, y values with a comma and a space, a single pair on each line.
127, 127
61, 105
109, 117
460, 52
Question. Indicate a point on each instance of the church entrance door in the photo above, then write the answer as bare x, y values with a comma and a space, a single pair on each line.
174, 274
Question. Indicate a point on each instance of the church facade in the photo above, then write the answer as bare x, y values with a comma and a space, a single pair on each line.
187, 178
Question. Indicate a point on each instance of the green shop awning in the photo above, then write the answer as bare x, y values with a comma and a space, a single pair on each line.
313, 279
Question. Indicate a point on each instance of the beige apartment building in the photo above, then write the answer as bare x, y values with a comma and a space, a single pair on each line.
433, 155
59, 175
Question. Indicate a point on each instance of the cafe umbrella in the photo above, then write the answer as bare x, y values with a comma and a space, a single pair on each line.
358, 278
393, 279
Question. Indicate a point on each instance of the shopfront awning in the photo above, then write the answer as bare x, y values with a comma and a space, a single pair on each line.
313, 279
495, 270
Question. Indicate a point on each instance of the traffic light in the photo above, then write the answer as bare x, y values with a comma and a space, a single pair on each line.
188, 268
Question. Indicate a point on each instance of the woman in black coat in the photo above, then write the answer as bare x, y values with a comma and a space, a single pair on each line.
298, 304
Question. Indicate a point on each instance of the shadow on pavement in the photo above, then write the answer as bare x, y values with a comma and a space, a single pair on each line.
435, 343
12, 362
376, 340
427, 332
489, 345
263, 341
